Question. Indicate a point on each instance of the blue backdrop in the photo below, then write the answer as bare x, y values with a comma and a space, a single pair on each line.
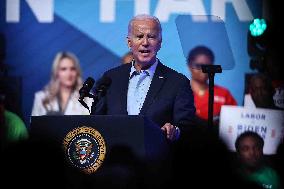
95, 30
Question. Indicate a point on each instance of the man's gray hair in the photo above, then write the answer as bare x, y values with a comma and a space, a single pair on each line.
144, 17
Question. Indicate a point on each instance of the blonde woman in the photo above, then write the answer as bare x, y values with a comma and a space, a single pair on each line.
60, 95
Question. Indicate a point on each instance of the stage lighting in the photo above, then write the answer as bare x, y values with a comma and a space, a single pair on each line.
257, 27
257, 43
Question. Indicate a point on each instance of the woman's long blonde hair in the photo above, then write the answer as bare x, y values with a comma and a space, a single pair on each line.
52, 88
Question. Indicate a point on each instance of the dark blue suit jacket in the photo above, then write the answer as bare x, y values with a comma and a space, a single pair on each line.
169, 99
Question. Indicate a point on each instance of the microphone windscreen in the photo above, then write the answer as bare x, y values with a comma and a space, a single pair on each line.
89, 83
87, 86
104, 82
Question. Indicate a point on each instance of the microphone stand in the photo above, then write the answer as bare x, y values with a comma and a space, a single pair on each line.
211, 70
95, 98
98, 94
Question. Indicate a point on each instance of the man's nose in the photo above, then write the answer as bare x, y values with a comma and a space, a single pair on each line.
145, 41
250, 152
253, 153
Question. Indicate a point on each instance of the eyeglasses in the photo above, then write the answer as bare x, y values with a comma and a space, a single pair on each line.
196, 65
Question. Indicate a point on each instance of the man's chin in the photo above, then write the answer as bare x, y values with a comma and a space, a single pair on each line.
146, 61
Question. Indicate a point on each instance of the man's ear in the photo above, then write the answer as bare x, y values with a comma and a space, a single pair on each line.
128, 41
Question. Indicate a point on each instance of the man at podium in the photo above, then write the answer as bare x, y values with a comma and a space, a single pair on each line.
146, 86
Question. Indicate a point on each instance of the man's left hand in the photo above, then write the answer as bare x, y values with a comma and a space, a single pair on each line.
171, 131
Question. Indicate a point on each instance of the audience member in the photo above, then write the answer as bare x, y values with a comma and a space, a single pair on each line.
249, 146
260, 93
60, 96
198, 56
12, 128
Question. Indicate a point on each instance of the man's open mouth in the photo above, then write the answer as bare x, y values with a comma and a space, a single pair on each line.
144, 51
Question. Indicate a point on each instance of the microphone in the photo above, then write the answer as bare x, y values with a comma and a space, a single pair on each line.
100, 91
102, 85
87, 86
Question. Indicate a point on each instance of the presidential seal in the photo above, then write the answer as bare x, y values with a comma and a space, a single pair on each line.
85, 148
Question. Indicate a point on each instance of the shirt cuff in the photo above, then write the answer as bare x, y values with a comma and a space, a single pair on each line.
177, 133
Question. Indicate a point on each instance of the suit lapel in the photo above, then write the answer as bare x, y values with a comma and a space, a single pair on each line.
156, 84
123, 87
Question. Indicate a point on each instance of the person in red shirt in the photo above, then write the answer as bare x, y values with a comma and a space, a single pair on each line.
202, 55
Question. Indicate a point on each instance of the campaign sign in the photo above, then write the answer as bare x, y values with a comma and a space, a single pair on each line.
269, 124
